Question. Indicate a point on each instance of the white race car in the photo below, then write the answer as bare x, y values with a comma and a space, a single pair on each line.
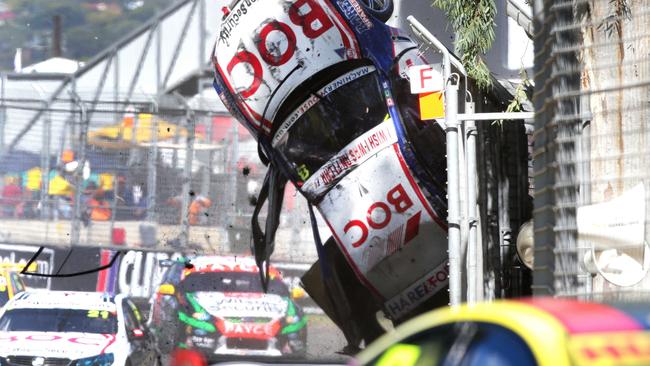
61, 328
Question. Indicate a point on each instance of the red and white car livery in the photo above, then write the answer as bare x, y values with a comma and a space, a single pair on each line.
73, 328
323, 86
221, 309
267, 48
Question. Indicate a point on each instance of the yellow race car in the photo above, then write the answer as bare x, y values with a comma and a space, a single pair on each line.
10, 282
537, 331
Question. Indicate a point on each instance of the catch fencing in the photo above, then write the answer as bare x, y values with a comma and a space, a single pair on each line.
159, 173
592, 156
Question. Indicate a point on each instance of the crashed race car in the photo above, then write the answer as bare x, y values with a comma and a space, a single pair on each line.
322, 85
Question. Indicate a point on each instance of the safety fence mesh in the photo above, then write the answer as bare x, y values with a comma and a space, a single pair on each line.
155, 173
591, 156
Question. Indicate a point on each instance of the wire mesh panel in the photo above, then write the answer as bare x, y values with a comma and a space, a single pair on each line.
591, 147
164, 174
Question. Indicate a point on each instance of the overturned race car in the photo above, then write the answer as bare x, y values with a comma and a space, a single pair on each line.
322, 85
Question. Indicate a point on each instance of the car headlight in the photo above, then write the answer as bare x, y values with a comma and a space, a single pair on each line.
3, 362
105, 359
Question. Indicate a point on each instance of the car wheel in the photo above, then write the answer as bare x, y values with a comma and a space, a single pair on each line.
380, 9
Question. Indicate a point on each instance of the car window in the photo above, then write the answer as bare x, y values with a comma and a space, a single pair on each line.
134, 313
231, 282
459, 344
328, 120
17, 283
59, 320
4, 294
130, 320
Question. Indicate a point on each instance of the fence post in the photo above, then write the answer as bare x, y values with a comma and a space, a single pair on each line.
453, 193
472, 245
3, 112
83, 133
187, 174
152, 159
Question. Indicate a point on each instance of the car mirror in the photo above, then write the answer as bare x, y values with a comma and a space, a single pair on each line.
297, 293
166, 289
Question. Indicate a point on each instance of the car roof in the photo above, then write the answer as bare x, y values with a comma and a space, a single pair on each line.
216, 263
35, 299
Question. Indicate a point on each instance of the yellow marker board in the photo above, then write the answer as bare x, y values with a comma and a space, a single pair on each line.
432, 106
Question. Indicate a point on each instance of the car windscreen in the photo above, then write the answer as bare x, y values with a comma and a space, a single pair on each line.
330, 119
231, 282
59, 320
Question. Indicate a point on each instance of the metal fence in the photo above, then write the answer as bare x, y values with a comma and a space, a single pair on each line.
160, 173
591, 158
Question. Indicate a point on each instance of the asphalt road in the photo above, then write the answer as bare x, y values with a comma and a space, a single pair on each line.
324, 339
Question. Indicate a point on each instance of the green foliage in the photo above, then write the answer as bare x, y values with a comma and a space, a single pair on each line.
86, 31
519, 96
473, 22
619, 10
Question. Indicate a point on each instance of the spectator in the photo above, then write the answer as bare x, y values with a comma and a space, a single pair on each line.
197, 207
11, 196
96, 208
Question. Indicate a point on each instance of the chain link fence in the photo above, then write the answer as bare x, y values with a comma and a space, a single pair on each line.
591, 157
155, 173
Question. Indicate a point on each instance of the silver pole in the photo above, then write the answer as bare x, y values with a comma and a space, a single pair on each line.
3, 113
453, 192
473, 251
187, 175
494, 116
83, 126
45, 165
152, 166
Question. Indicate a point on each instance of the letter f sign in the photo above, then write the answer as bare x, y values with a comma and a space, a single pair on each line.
425, 78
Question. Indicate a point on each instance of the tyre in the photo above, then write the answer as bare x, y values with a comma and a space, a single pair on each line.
380, 9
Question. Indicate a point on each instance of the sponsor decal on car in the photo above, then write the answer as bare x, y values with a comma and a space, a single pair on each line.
418, 292
73, 345
265, 46
352, 155
242, 304
248, 330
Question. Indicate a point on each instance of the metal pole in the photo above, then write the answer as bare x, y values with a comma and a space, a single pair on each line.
152, 166
45, 156
473, 252
453, 193
187, 175
3, 113
233, 172
114, 206
76, 220
207, 171
116, 83
45, 165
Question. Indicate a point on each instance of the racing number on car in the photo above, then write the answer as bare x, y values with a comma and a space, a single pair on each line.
97, 314
380, 213
307, 14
